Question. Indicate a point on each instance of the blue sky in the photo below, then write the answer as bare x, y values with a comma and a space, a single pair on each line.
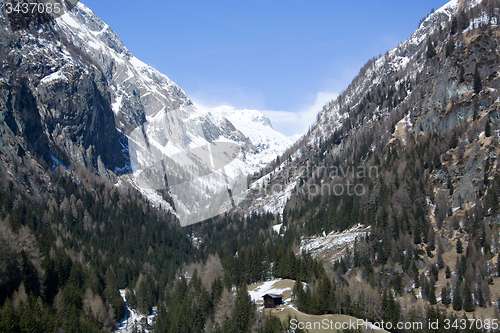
289, 56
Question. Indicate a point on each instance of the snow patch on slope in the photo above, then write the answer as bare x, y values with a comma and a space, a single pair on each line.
133, 319
333, 246
274, 202
267, 287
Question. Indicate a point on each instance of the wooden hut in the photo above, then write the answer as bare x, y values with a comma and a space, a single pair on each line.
272, 300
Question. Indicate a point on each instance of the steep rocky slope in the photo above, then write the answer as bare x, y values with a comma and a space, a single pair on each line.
75, 94
409, 149
405, 93
55, 103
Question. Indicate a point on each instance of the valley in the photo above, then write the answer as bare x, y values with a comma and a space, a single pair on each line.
127, 207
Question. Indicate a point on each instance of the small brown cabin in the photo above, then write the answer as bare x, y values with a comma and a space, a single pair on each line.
271, 300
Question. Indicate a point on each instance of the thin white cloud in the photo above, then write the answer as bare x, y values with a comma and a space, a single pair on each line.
287, 122
228, 94
290, 123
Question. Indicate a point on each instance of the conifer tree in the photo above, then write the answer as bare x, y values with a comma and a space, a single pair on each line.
398, 284
487, 129
131, 298
498, 265
480, 297
28, 321
391, 310
416, 235
459, 246
486, 180
454, 25
432, 294
457, 299
324, 298
464, 20
440, 261
300, 296
468, 304
431, 51
447, 272
243, 312
450, 47
450, 184
445, 295
8, 319
478, 84
272, 324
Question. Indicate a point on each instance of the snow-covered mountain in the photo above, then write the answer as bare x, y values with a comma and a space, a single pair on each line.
178, 154
168, 135
258, 129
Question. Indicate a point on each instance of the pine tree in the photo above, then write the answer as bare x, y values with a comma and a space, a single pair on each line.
454, 25
398, 284
431, 51
416, 235
468, 304
498, 265
8, 319
131, 299
447, 272
216, 292
243, 312
299, 295
459, 247
431, 295
28, 322
487, 128
480, 297
450, 185
272, 324
450, 47
487, 166
440, 261
463, 20
445, 295
324, 296
391, 310
478, 84
457, 299
463, 266
462, 74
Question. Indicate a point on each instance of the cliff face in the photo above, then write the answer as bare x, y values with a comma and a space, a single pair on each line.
161, 128
55, 102
73, 93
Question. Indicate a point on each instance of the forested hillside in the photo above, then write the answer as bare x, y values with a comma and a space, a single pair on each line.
414, 155
409, 151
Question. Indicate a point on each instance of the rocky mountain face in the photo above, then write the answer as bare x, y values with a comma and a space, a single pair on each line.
394, 189
424, 85
259, 130
55, 103
409, 149
73, 93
